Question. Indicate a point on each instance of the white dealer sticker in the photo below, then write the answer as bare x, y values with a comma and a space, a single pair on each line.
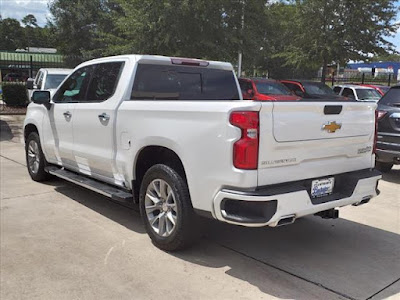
322, 187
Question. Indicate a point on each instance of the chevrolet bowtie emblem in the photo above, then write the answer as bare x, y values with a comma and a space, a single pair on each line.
331, 127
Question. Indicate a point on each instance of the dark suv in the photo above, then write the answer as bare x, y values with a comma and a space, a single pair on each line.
312, 90
388, 142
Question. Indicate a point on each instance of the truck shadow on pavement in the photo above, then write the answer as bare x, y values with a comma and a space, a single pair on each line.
346, 259
354, 261
392, 176
123, 215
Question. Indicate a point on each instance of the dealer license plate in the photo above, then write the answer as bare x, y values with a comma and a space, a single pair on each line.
322, 187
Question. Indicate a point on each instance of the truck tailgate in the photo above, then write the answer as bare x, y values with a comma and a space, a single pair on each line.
301, 140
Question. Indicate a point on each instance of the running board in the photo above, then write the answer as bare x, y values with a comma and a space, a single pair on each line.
114, 193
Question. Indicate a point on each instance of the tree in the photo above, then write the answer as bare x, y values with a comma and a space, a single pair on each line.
11, 34
331, 31
81, 28
29, 21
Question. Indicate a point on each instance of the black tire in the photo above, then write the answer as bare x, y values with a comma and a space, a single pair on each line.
38, 174
185, 231
383, 167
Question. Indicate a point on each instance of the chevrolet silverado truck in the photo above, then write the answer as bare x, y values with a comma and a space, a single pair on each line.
175, 137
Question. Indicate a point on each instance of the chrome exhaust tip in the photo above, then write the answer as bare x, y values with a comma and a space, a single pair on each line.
286, 220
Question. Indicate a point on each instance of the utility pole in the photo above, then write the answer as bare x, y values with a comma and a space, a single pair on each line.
240, 54
239, 64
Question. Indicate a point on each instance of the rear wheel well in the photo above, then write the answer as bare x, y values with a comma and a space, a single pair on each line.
150, 156
29, 129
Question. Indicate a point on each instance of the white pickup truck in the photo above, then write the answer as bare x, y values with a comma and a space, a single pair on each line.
47, 79
175, 136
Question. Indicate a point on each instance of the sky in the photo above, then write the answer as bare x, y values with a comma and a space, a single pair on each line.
39, 8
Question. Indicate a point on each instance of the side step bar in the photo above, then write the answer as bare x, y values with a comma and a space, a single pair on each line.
114, 193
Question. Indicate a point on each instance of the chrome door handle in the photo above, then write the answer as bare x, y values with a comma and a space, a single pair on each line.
104, 117
67, 114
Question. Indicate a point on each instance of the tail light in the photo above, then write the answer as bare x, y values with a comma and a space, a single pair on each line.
245, 150
379, 114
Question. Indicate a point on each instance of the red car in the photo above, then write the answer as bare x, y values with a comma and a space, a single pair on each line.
265, 90
312, 90
382, 89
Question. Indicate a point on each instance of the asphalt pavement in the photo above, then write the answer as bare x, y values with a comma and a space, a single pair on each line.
60, 241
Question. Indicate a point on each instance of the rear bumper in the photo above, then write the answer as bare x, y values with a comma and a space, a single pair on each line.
388, 156
268, 205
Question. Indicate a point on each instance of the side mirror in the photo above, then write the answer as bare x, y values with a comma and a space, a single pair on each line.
41, 97
29, 83
299, 93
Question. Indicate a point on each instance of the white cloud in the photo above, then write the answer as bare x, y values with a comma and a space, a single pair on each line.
18, 9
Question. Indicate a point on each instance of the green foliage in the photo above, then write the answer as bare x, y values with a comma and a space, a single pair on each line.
13, 36
339, 30
29, 20
15, 94
288, 38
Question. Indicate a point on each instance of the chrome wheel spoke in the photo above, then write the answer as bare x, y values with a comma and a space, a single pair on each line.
161, 224
31, 158
163, 189
152, 208
156, 187
171, 218
152, 197
36, 147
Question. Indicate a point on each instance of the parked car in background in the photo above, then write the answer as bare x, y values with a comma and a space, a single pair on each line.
265, 89
13, 77
47, 79
311, 90
357, 92
381, 89
388, 138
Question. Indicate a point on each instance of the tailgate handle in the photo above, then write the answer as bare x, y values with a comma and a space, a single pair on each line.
332, 109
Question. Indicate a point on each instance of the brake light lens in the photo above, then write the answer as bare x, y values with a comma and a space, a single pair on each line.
245, 150
377, 117
189, 62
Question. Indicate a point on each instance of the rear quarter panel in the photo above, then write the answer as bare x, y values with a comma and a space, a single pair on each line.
197, 131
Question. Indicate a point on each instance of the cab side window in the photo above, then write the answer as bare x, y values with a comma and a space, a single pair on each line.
337, 89
348, 93
74, 88
103, 82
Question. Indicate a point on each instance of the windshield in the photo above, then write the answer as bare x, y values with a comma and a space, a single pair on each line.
367, 94
391, 97
384, 89
53, 81
272, 88
317, 88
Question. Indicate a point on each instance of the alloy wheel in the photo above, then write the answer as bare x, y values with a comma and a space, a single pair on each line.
161, 208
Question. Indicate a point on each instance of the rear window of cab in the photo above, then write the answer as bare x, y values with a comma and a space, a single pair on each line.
169, 82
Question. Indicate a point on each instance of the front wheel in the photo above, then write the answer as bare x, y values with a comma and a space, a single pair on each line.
35, 159
383, 167
166, 209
